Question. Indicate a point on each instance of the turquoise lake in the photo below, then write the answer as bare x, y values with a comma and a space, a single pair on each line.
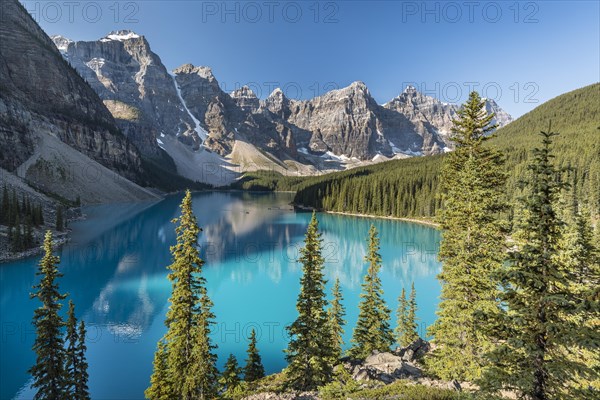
115, 271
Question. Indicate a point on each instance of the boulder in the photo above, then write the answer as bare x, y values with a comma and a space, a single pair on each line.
414, 351
383, 367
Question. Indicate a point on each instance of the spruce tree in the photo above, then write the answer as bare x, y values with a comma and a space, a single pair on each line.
230, 378
472, 247
335, 316
4, 218
309, 350
48, 373
40, 215
81, 375
75, 361
60, 224
412, 314
14, 208
542, 321
372, 331
581, 258
202, 381
71, 356
160, 385
190, 362
406, 331
17, 236
402, 320
254, 369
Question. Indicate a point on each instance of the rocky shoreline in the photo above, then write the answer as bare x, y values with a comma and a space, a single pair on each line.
7, 256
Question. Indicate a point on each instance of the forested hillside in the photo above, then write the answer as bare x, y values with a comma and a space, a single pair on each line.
407, 188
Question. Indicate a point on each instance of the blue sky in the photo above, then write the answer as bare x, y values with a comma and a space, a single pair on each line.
519, 53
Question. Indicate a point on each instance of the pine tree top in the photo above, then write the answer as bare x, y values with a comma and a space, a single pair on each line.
473, 122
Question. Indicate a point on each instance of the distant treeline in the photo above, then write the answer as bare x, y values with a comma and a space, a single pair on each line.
20, 216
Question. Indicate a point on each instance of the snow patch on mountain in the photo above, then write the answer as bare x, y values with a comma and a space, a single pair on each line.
120, 36
199, 130
95, 64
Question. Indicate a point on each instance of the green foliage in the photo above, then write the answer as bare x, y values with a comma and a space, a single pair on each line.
309, 350
254, 369
399, 188
410, 185
230, 378
59, 372
274, 383
81, 391
372, 331
581, 256
406, 330
549, 296
160, 385
75, 361
187, 355
49, 376
335, 318
344, 387
472, 247
71, 351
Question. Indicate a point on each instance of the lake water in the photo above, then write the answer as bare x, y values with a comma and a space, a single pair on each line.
114, 270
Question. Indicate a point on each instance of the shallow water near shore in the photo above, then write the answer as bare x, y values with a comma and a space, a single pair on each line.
115, 272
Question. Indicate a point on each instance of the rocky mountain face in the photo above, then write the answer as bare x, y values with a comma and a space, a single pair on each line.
42, 96
345, 124
134, 84
433, 118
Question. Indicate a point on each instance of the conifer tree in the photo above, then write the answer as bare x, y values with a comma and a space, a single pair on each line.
541, 321
581, 258
49, 378
14, 208
412, 314
406, 331
60, 224
190, 363
230, 378
372, 331
40, 215
17, 236
28, 234
335, 315
81, 375
254, 369
75, 361
402, 319
71, 356
202, 381
309, 350
4, 218
473, 244
160, 385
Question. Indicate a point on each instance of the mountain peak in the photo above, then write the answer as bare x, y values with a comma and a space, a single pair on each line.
277, 93
359, 86
202, 71
243, 92
355, 88
61, 42
120, 35
410, 89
